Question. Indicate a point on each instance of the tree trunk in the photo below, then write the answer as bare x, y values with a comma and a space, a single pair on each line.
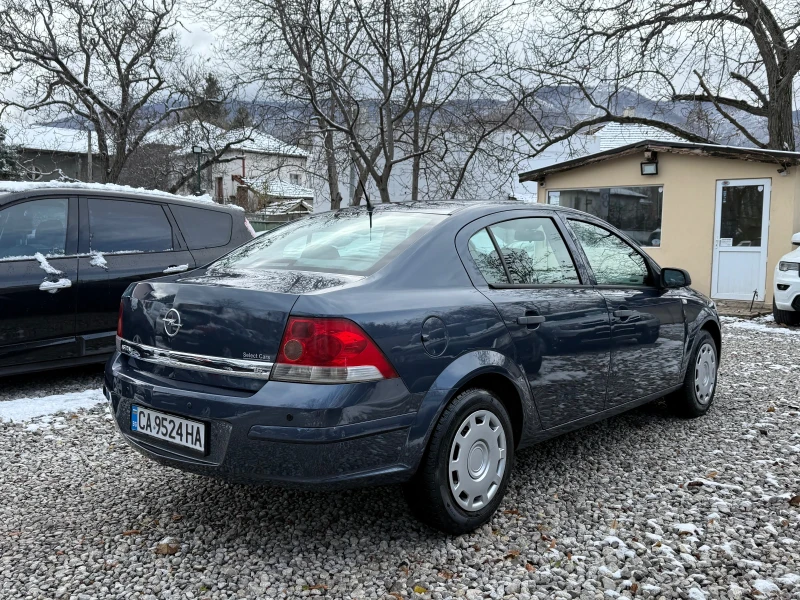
333, 175
415, 162
780, 124
383, 186
361, 181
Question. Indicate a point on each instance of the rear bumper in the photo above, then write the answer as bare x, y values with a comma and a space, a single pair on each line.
324, 436
787, 298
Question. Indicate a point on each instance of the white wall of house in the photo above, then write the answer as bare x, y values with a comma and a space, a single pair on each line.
291, 169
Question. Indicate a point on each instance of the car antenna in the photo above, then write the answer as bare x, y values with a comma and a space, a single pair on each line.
370, 207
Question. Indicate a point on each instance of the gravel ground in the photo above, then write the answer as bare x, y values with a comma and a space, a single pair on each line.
643, 505
59, 381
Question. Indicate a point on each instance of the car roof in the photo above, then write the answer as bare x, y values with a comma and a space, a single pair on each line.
7, 196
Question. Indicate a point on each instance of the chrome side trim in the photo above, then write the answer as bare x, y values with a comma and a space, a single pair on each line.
253, 369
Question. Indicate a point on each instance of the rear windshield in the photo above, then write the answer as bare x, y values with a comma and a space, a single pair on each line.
341, 242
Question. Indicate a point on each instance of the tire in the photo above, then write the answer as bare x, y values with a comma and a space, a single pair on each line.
478, 419
785, 317
695, 397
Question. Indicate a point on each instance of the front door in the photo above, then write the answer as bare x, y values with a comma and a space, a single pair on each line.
559, 324
741, 226
647, 323
38, 281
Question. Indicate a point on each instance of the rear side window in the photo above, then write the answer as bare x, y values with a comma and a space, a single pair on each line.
334, 242
203, 228
485, 255
121, 226
532, 251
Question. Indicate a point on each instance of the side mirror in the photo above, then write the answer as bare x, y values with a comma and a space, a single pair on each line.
796, 239
675, 278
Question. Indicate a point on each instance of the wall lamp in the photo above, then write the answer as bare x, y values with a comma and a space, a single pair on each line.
649, 168
650, 164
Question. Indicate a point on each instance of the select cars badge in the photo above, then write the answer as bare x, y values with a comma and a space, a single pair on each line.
172, 322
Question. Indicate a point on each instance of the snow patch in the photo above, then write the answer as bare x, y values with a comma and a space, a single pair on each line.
760, 327
765, 587
25, 409
697, 594
653, 589
46, 266
688, 529
789, 579
98, 260
25, 186
52, 286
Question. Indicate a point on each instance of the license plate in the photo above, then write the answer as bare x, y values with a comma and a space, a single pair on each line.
169, 428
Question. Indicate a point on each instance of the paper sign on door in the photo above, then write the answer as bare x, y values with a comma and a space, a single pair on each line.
725, 242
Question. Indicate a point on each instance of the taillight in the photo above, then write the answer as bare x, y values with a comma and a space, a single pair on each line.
119, 321
321, 350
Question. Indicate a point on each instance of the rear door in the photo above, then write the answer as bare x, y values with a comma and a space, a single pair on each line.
647, 324
121, 241
559, 323
38, 280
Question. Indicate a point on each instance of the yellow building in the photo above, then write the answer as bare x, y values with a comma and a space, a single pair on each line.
725, 214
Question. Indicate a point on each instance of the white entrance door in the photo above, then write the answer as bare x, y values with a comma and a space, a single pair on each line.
740, 239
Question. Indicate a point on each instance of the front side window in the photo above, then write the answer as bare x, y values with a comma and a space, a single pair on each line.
532, 250
635, 210
345, 242
34, 226
119, 226
613, 260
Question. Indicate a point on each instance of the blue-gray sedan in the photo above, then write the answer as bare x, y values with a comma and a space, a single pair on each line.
415, 343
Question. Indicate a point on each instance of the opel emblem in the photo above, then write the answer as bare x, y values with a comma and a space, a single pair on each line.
172, 322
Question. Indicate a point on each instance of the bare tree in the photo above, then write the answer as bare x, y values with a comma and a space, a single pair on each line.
382, 78
116, 66
709, 70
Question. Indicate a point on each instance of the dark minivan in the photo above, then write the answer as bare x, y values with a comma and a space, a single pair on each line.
422, 343
67, 253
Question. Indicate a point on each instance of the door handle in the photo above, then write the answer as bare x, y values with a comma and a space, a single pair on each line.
176, 269
531, 320
54, 286
624, 314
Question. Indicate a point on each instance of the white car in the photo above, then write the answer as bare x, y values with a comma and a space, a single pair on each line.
786, 304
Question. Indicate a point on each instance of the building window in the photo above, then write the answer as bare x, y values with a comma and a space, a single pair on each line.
633, 210
294, 178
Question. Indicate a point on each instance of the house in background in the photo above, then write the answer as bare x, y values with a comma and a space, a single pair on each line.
270, 202
614, 135
47, 153
726, 214
257, 156
277, 213
263, 158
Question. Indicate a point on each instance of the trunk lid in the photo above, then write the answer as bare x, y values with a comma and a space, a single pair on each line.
238, 315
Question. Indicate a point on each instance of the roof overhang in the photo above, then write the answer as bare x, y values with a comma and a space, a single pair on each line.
780, 158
